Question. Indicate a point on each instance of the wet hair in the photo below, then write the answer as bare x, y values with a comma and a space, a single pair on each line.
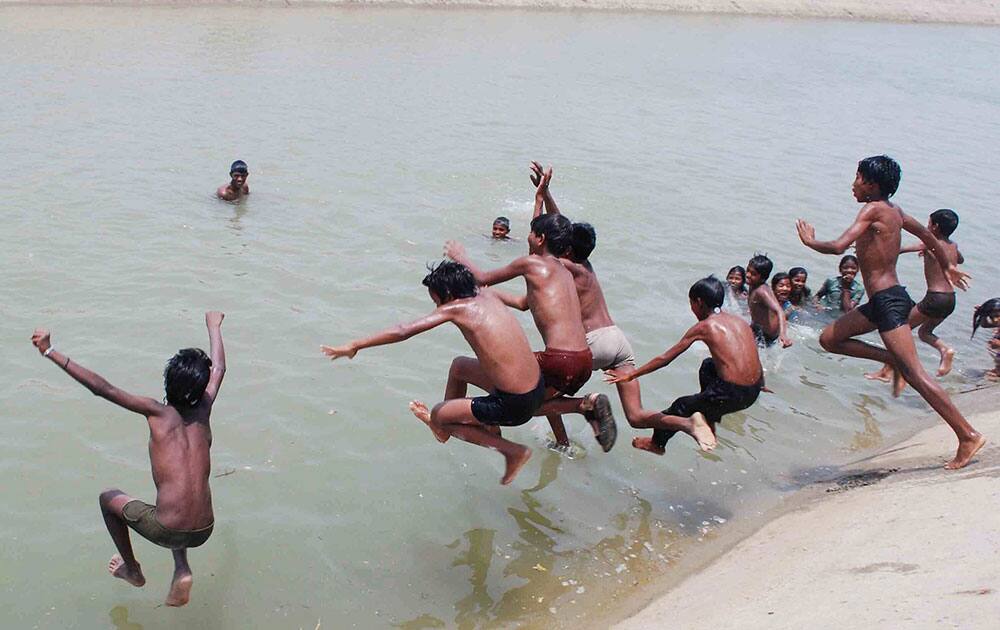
850, 258
762, 265
983, 311
239, 166
778, 277
557, 230
794, 271
709, 290
450, 280
504, 221
583, 240
186, 377
946, 221
882, 171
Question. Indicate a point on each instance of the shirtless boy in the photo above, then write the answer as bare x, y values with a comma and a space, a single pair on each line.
237, 186
504, 365
767, 318
876, 231
551, 297
939, 302
730, 381
180, 438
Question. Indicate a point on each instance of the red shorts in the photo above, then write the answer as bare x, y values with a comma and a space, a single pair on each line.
565, 371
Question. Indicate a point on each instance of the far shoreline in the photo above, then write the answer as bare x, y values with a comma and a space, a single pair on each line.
968, 12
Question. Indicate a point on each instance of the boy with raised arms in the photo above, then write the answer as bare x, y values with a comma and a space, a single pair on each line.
504, 365
767, 318
237, 186
876, 231
731, 380
180, 439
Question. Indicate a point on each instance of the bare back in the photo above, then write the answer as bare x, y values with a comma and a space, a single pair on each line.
878, 246
761, 301
733, 348
179, 454
554, 303
498, 341
593, 308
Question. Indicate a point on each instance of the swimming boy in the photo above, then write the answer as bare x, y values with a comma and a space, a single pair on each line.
551, 297
180, 438
237, 186
504, 365
501, 229
939, 301
876, 232
731, 380
767, 318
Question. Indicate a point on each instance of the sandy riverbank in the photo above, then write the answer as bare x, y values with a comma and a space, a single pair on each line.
895, 541
943, 11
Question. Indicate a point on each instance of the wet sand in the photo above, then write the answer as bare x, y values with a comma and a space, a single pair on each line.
940, 11
892, 541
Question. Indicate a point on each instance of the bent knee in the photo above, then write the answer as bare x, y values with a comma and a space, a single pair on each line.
827, 340
107, 496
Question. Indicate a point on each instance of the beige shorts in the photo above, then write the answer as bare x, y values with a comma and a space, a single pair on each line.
610, 348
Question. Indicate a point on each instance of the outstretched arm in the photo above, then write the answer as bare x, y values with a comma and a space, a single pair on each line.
397, 333
933, 246
771, 302
541, 179
807, 234
456, 252
692, 335
213, 321
520, 302
912, 248
94, 382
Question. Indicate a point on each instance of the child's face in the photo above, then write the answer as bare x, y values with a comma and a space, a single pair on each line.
848, 271
500, 231
238, 179
783, 289
992, 320
735, 279
753, 277
864, 191
799, 281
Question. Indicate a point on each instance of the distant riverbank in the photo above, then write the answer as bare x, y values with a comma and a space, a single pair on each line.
946, 11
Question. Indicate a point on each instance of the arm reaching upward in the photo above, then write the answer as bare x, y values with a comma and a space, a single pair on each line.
395, 334
94, 382
213, 321
807, 234
958, 278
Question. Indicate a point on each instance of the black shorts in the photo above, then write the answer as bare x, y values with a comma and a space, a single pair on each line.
763, 339
937, 304
716, 398
888, 309
503, 409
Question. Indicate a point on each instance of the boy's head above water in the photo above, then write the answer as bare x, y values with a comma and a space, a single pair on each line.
238, 173
943, 222
781, 284
186, 377
552, 233
449, 281
759, 270
877, 179
706, 296
501, 228
848, 267
583, 241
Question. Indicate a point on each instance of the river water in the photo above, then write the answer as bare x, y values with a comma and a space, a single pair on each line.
372, 136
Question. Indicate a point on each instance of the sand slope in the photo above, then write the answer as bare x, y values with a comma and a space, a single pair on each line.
918, 547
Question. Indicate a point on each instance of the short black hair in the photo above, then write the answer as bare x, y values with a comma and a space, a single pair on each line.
983, 311
239, 166
778, 277
450, 280
557, 230
883, 171
583, 241
504, 221
850, 258
186, 377
709, 290
946, 220
794, 271
762, 265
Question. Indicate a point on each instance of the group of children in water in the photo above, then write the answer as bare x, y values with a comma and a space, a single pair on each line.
566, 301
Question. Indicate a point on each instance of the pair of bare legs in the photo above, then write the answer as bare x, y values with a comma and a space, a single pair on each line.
901, 353
124, 565
925, 331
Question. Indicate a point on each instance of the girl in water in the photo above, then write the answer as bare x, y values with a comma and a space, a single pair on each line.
987, 315
737, 279
801, 294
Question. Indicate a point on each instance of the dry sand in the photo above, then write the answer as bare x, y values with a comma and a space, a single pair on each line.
945, 11
895, 541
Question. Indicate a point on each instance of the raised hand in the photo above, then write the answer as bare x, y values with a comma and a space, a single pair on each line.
536, 173
807, 233
213, 319
41, 340
542, 188
454, 250
336, 352
958, 278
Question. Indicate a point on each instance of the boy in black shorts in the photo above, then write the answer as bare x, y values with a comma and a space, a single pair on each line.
505, 367
730, 381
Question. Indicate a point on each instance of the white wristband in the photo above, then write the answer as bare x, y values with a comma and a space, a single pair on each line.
49, 351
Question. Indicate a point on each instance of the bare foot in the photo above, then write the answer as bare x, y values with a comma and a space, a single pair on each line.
946, 359
515, 463
884, 375
118, 568
702, 432
966, 451
646, 444
423, 414
597, 411
180, 590
898, 382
